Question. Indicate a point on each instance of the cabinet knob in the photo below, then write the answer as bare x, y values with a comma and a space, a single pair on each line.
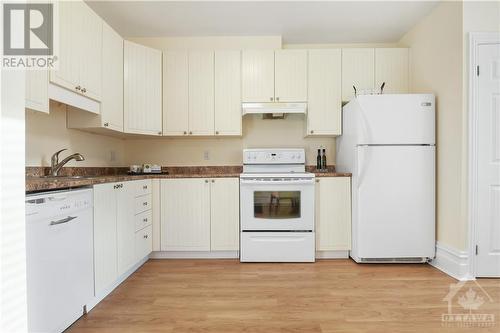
271, 99
145, 236
190, 132
216, 132
145, 203
145, 187
312, 132
277, 99
78, 88
213, 180
84, 90
185, 133
159, 133
317, 180
106, 124
206, 180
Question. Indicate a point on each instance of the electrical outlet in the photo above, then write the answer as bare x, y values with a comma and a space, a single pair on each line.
112, 156
206, 155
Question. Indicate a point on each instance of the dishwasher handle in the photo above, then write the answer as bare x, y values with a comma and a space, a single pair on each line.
64, 220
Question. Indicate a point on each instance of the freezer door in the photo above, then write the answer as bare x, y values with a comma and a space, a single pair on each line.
396, 119
396, 202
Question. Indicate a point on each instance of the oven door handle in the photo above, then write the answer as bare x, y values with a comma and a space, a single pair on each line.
277, 182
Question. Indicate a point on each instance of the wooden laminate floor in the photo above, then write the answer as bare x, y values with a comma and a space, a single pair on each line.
327, 296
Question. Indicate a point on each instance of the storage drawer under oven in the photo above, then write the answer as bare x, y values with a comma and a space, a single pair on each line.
277, 247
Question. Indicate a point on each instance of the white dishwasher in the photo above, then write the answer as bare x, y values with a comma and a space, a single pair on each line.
59, 244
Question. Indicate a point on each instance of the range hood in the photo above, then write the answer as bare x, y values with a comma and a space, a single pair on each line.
273, 108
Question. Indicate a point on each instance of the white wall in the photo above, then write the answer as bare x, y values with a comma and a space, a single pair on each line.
45, 134
436, 48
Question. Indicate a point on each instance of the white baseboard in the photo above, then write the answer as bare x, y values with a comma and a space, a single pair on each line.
336, 254
195, 255
451, 261
115, 284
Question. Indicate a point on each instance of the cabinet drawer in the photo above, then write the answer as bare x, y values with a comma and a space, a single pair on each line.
143, 242
142, 187
142, 203
143, 219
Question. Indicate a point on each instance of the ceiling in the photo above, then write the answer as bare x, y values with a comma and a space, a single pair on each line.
295, 21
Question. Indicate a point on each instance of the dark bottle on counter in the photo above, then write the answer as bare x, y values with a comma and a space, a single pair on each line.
318, 160
323, 160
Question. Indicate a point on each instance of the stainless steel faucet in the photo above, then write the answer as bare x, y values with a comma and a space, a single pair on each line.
55, 165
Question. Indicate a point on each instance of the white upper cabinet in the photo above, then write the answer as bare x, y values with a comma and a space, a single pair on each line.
80, 48
175, 93
112, 80
201, 93
258, 76
358, 69
37, 90
324, 109
290, 75
391, 67
142, 89
228, 93
224, 214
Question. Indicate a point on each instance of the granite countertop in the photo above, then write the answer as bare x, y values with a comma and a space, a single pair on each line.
89, 176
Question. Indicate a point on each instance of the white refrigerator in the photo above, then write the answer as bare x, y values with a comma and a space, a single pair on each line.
388, 144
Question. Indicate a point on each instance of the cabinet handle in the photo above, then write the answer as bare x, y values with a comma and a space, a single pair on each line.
106, 124
145, 187
145, 236
216, 132
78, 88
213, 180
271, 99
159, 133
277, 99
84, 90
118, 186
312, 132
190, 132
145, 220
145, 203
317, 180
206, 180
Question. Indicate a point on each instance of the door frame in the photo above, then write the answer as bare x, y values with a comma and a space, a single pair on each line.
475, 40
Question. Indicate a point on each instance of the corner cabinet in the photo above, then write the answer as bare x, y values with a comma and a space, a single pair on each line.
333, 213
274, 76
142, 89
80, 63
199, 214
324, 109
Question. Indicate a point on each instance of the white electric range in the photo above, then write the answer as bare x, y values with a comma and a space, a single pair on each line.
276, 206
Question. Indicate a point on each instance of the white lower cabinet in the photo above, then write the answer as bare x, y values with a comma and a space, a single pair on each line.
333, 213
116, 234
199, 214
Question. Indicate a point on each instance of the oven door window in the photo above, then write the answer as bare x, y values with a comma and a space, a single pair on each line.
276, 204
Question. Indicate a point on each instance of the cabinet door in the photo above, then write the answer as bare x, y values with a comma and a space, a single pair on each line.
112, 79
290, 75
90, 60
37, 90
225, 214
143, 243
70, 22
333, 213
358, 69
105, 237
391, 67
142, 89
125, 226
228, 93
324, 109
257, 75
201, 93
185, 215
175, 93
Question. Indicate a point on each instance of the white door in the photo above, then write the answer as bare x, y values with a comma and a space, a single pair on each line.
228, 93
175, 93
37, 90
185, 214
257, 73
358, 69
225, 214
290, 78
488, 176
333, 213
105, 257
324, 109
391, 67
112, 79
396, 202
201, 93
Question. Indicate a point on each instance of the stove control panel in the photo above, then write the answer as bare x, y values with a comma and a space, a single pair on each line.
274, 156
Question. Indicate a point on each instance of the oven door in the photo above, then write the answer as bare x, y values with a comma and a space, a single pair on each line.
272, 204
